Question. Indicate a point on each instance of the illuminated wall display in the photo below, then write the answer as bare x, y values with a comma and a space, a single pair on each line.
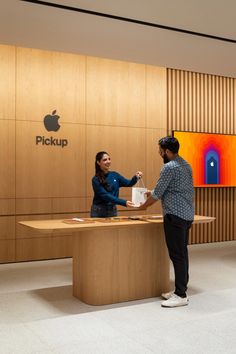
212, 157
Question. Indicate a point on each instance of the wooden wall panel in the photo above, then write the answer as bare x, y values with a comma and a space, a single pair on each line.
7, 206
32, 249
7, 251
205, 103
27, 206
62, 205
43, 248
115, 93
120, 107
154, 163
50, 80
7, 228
218, 202
7, 239
103, 105
7, 156
7, 82
50, 171
62, 246
156, 97
201, 102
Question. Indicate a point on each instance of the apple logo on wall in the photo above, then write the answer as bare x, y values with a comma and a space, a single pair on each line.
51, 122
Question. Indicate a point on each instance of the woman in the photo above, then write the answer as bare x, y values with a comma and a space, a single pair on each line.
106, 186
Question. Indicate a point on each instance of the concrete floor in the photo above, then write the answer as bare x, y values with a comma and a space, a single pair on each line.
38, 313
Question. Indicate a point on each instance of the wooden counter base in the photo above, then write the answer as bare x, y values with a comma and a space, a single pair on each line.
116, 265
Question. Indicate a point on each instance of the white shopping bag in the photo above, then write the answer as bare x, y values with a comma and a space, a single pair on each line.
138, 195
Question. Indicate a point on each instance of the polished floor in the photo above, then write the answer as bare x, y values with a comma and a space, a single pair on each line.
38, 313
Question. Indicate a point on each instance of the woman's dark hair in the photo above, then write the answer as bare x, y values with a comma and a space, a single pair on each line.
98, 172
170, 143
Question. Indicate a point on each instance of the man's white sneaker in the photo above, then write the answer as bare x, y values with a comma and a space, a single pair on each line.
166, 296
175, 301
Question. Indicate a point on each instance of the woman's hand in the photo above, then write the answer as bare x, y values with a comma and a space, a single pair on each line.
139, 174
130, 204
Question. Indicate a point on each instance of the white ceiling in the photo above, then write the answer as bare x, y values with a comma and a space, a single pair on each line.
36, 26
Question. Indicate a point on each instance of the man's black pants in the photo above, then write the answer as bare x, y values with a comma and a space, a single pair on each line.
177, 234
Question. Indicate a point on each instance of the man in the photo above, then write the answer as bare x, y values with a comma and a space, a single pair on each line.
175, 189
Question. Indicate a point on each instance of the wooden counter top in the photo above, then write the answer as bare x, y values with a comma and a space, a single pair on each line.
92, 223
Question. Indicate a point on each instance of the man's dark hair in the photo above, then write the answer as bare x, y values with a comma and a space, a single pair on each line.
170, 143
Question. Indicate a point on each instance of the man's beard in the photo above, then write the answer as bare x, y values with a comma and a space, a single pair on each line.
165, 158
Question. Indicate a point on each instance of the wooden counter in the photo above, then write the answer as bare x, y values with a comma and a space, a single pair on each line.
116, 259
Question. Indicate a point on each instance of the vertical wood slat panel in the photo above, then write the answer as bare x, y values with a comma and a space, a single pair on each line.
205, 103
217, 118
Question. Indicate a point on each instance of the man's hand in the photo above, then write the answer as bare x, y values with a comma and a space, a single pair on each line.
142, 207
148, 193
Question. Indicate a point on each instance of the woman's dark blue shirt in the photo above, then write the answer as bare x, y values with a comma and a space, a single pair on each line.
111, 197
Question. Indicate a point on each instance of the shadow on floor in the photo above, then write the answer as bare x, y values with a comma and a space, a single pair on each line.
62, 300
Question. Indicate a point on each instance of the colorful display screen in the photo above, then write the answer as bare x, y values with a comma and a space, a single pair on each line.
211, 156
